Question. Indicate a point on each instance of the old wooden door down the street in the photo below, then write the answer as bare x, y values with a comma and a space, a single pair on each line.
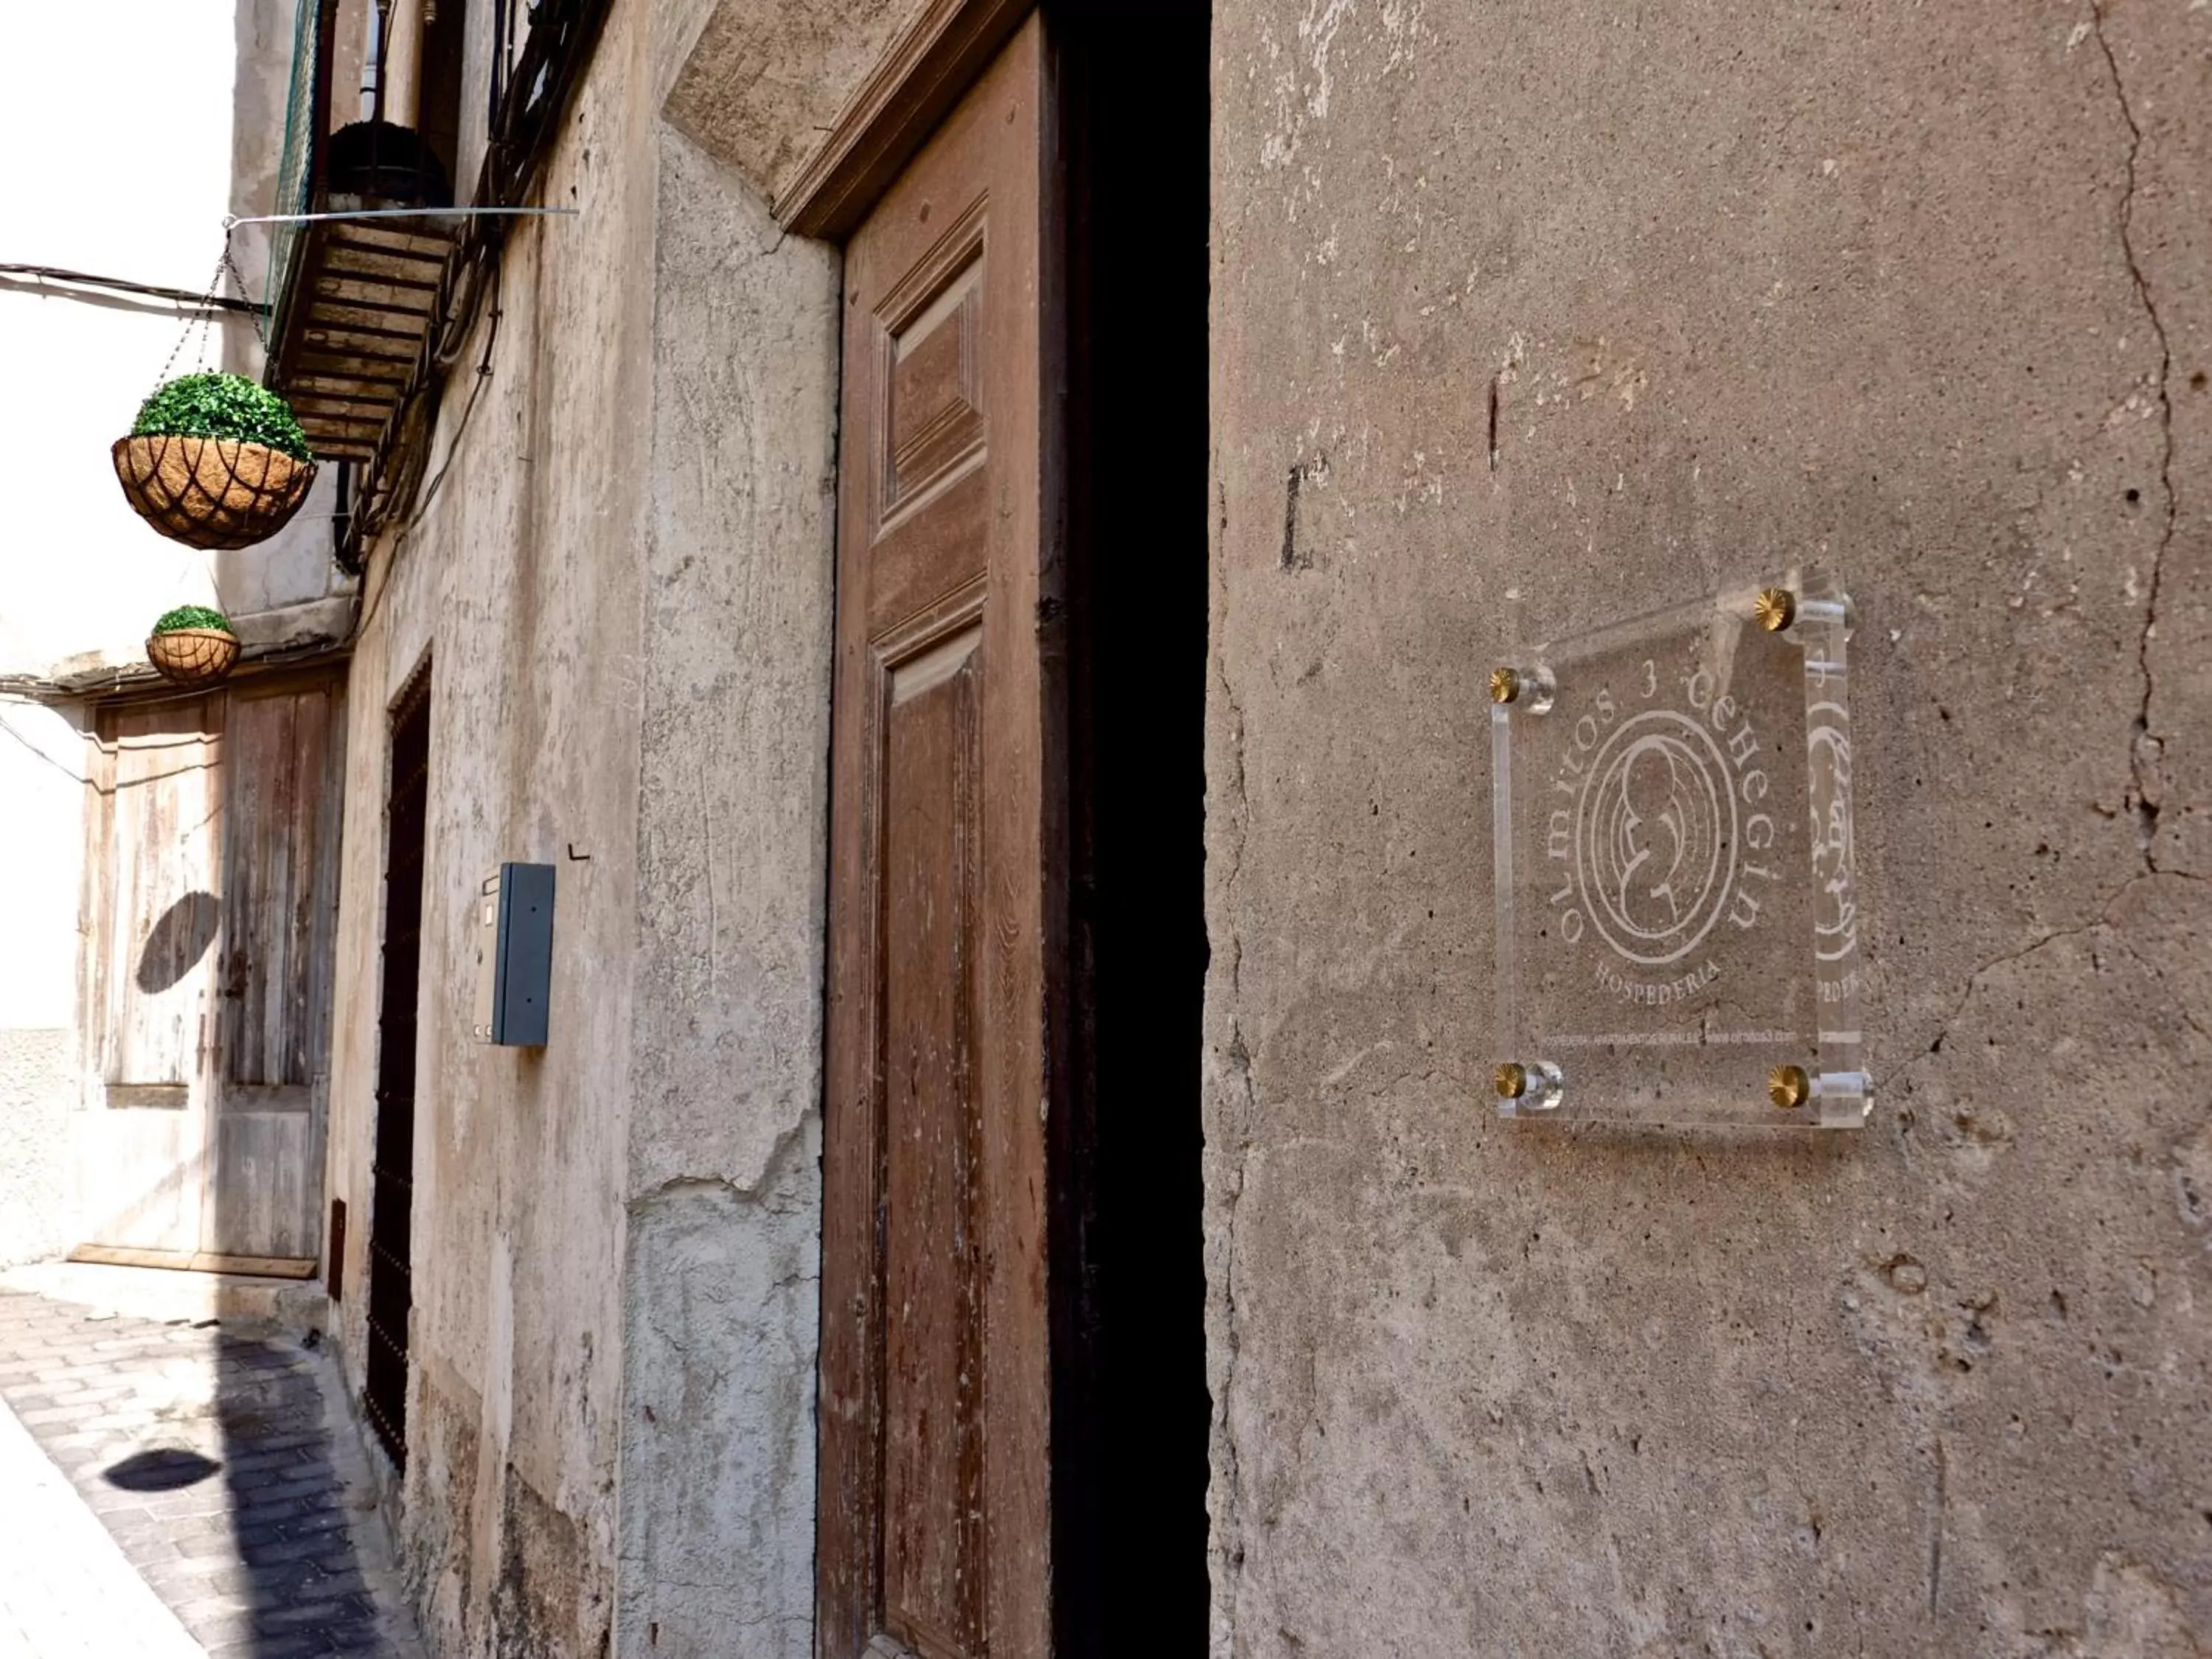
934, 1508
211, 904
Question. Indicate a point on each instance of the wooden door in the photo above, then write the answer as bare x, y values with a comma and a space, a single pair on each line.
283, 772
935, 1523
391, 1164
152, 915
211, 890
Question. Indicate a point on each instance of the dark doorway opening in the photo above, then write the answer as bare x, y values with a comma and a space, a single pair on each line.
391, 1251
1130, 1408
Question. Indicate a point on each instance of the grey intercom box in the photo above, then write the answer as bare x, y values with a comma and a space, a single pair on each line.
514, 955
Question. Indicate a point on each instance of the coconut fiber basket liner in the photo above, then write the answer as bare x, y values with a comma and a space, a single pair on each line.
193, 656
212, 492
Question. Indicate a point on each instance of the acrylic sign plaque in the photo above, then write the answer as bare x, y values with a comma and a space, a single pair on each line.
1678, 921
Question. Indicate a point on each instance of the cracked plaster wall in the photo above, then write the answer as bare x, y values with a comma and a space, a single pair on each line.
522, 582
1926, 292
623, 584
723, 1171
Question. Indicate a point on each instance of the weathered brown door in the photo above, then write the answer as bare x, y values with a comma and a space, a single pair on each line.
151, 918
283, 777
212, 901
935, 1526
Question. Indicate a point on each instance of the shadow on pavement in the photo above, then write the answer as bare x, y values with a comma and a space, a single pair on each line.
208, 1455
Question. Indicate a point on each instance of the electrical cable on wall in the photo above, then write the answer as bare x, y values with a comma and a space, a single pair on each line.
531, 90
372, 601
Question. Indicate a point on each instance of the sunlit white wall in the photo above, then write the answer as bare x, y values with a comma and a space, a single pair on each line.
133, 126
42, 799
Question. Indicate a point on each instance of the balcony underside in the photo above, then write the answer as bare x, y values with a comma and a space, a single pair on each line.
352, 337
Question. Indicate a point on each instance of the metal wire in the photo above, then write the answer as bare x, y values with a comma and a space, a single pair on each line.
118, 285
230, 220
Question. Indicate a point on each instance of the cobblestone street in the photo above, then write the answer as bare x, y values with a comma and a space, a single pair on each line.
215, 1456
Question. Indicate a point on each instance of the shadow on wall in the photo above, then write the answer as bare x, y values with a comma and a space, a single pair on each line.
178, 939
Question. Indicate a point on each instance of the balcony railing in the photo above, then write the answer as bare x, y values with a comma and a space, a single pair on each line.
303, 104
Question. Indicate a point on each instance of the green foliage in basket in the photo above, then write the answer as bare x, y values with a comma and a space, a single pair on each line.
191, 616
223, 406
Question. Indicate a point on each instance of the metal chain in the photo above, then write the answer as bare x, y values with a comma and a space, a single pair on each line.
260, 326
201, 320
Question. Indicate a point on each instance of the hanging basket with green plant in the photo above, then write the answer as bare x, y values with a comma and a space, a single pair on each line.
192, 645
216, 461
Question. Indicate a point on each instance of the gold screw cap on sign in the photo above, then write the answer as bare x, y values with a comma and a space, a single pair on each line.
1776, 608
1788, 1086
1505, 685
1512, 1081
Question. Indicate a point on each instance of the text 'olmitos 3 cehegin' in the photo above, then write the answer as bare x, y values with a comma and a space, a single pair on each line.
1678, 920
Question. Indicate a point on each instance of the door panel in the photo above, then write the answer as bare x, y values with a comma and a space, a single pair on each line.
211, 910
283, 773
392, 1168
264, 1185
934, 1519
932, 1460
280, 871
163, 765
153, 917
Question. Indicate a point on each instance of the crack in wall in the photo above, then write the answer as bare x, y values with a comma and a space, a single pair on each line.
2103, 919
1240, 1062
756, 1189
2144, 751
1935, 1531
1226, 1544
2159, 974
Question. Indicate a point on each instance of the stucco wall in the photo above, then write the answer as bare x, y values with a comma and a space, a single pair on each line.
758, 86
624, 587
38, 1090
723, 1183
520, 582
41, 856
1924, 291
